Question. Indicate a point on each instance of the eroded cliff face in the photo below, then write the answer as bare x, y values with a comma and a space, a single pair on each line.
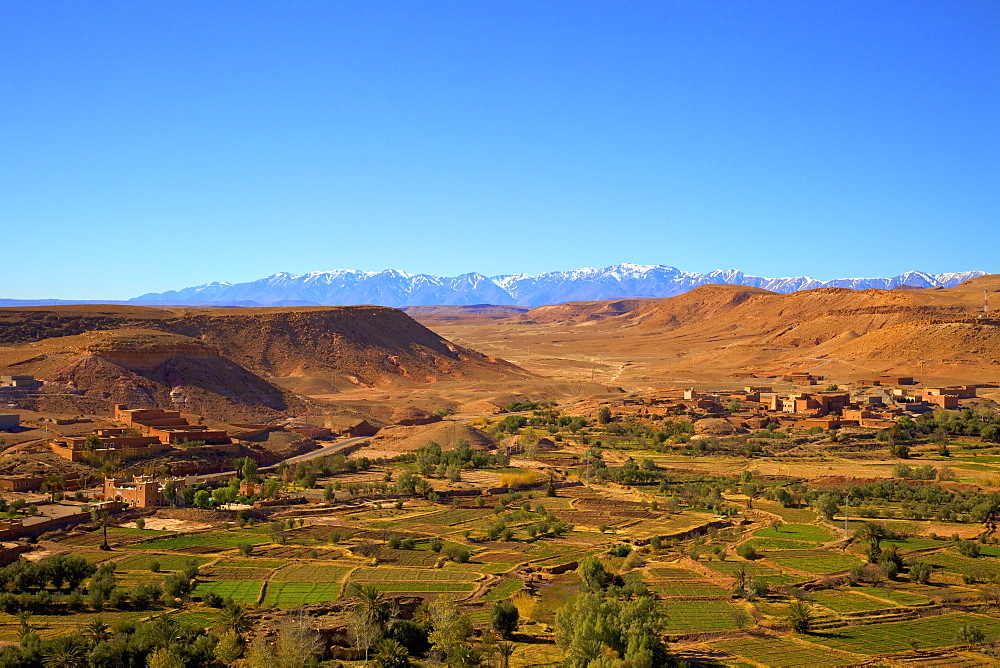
242, 363
146, 369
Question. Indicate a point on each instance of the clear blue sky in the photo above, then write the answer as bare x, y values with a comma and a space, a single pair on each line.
146, 146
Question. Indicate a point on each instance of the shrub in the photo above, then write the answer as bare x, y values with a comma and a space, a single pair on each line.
968, 548
920, 572
759, 587
620, 550
436, 544
457, 553
154, 566
747, 551
213, 600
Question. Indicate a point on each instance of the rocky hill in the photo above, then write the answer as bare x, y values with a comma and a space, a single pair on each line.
714, 331
228, 363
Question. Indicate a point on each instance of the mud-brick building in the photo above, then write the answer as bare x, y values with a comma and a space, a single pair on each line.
143, 491
168, 426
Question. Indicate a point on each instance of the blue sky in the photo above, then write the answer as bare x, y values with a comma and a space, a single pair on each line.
146, 146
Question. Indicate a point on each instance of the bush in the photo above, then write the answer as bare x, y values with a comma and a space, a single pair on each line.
747, 551
436, 544
458, 554
968, 548
213, 600
154, 566
620, 550
920, 572
759, 587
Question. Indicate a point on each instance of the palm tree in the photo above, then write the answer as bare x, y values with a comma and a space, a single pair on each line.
23, 616
506, 650
800, 617
390, 653
235, 617
372, 603
102, 517
873, 533
97, 631
66, 652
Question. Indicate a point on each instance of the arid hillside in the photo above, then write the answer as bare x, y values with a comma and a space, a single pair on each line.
716, 330
231, 362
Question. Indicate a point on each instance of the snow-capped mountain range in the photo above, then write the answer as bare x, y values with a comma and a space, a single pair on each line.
398, 288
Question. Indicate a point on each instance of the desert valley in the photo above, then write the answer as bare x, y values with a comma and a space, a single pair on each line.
729, 476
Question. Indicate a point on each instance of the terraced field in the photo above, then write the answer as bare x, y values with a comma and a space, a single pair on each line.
938, 631
701, 617
245, 591
291, 594
786, 652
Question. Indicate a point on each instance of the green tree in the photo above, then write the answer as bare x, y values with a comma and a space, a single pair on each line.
591, 626
503, 618
826, 505
450, 629
229, 648
969, 635
202, 499
164, 658
592, 574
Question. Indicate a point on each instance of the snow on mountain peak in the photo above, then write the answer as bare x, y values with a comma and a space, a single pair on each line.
393, 287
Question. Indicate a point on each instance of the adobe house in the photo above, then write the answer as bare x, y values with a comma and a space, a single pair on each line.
144, 491
21, 482
168, 426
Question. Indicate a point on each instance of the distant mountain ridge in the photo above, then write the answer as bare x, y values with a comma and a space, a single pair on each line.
397, 288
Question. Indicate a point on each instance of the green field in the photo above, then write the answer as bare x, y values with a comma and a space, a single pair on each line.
687, 588
670, 573
508, 587
785, 652
413, 575
312, 573
412, 586
816, 562
291, 594
894, 595
807, 532
753, 569
896, 636
849, 601
700, 616
245, 591
168, 562
214, 541
781, 544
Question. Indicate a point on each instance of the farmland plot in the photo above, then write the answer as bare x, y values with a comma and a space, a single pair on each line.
929, 632
786, 652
